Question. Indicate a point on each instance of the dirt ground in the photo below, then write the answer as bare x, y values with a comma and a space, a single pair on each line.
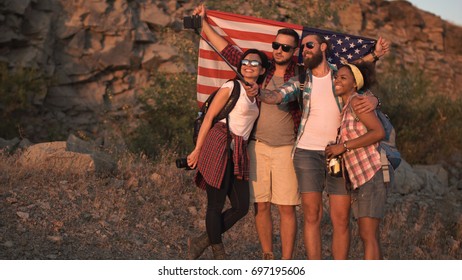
147, 211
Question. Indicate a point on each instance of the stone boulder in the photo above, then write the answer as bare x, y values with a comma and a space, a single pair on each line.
53, 155
12, 145
9, 145
435, 178
74, 156
104, 163
406, 180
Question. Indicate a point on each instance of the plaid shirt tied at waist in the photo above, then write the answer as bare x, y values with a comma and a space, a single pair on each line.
214, 157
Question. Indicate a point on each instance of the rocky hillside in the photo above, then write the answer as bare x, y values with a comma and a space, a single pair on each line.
99, 55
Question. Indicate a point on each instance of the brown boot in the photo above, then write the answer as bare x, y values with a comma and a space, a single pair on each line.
197, 245
268, 256
219, 252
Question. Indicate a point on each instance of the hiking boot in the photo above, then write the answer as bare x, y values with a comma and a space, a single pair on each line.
197, 246
268, 256
219, 252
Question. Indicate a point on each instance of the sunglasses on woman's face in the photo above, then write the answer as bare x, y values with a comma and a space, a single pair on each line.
253, 63
308, 45
285, 48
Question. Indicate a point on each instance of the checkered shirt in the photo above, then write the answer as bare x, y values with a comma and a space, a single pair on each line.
214, 156
361, 163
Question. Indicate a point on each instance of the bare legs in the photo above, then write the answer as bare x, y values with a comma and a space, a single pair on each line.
340, 216
264, 225
288, 222
312, 215
369, 233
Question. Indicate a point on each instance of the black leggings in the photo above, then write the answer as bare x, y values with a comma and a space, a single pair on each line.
216, 221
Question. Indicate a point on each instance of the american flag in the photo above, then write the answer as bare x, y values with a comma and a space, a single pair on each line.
250, 32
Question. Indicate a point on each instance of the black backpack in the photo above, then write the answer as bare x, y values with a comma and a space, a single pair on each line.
229, 106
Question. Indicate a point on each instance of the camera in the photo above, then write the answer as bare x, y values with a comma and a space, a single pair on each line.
334, 167
192, 22
182, 163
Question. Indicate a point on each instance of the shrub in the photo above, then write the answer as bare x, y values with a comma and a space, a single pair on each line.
427, 124
18, 88
170, 107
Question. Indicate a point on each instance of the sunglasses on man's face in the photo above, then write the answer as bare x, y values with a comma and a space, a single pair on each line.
285, 48
253, 63
308, 45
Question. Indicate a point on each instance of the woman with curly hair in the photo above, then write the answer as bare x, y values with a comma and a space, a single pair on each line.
359, 137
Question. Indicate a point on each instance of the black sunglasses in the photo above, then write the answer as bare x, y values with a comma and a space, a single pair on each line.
308, 45
253, 63
285, 48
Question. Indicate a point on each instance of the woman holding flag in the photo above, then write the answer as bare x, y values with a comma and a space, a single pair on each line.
219, 174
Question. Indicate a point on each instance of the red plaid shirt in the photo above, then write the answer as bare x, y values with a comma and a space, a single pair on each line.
234, 55
214, 156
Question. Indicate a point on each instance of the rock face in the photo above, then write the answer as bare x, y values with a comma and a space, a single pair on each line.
100, 54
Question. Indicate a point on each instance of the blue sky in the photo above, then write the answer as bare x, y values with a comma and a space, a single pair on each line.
450, 10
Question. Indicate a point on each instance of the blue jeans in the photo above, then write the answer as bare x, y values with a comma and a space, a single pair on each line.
312, 176
369, 199
237, 191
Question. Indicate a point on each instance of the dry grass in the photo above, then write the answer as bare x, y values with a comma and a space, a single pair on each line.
147, 211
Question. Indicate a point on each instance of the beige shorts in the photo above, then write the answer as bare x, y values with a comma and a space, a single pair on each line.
272, 174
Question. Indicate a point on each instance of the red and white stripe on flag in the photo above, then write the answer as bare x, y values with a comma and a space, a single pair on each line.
243, 31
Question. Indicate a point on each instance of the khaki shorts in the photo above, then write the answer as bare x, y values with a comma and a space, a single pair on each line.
272, 174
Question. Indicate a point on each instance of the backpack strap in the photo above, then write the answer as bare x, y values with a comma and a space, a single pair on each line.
385, 167
232, 100
235, 94
302, 81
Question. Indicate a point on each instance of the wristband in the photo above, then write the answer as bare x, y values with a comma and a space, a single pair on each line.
345, 146
374, 56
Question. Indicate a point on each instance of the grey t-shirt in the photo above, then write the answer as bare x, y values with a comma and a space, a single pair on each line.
275, 125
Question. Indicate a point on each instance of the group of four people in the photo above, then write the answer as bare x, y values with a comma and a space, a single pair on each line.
285, 140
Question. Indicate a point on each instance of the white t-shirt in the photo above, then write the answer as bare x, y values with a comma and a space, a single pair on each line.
243, 115
324, 118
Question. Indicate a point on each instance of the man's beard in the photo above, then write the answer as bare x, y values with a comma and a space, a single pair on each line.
314, 61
